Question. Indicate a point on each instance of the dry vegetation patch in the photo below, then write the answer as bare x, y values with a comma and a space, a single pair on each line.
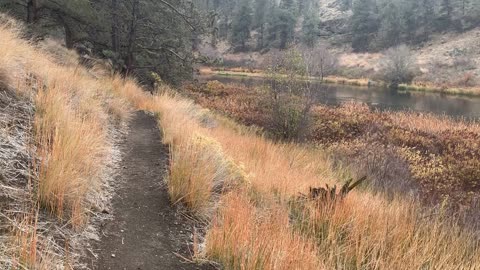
261, 222
437, 154
59, 123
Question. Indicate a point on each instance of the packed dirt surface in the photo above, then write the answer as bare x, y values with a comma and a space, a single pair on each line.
145, 231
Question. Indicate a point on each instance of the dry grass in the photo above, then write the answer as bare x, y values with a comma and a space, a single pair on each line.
404, 151
73, 113
70, 140
368, 232
243, 236
247, 184
72, 150
261, 223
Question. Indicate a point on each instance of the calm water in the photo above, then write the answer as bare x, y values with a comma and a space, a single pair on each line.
456, 106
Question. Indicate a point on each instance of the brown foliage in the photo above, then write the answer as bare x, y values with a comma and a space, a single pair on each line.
440, 155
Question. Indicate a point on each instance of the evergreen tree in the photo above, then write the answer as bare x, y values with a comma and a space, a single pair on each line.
411, 19
282, 25
391, 26
310, 29
260, 12
260, 21
426, 16
444, 19
364, 24
241, 26
286, 27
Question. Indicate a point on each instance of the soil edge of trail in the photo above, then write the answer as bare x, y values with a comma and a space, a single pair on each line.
145, 231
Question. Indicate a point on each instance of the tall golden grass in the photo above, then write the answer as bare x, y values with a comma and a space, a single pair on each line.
246, 184
244, 236
262, 223
75, 114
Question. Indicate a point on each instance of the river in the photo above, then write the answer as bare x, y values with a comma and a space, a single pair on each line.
381, 98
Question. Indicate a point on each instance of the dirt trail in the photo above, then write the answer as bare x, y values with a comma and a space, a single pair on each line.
146, 231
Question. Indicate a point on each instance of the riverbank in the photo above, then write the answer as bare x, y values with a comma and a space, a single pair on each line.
433, 155
340, 80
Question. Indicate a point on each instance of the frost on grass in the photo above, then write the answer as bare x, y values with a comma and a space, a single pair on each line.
15, 156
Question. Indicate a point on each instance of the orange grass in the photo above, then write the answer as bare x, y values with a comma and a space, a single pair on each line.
367, 232
75, 112
243, 236
262, 225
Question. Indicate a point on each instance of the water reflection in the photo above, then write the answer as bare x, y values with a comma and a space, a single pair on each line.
456, 106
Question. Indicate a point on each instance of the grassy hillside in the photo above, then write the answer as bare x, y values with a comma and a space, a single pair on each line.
248, 187
59, 124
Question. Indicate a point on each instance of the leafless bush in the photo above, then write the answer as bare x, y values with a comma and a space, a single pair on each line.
319, 61
398, 66
386, 171
292, 91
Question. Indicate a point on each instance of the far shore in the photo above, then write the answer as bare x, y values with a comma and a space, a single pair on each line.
365, 82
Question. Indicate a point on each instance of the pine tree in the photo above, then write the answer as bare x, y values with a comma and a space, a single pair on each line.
411, 20
426, 16
286, 27
282, 24
391, 26
260, 21
241, 26
310, 29
259, 14
364, 24
444, 19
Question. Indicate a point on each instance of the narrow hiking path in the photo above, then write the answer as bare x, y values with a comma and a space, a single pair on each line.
146, 232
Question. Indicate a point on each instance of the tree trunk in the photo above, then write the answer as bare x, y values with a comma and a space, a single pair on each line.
260, 37
130, 60
115, 27
32, 11
68, 36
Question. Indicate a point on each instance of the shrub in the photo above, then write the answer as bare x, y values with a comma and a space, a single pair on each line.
398, 66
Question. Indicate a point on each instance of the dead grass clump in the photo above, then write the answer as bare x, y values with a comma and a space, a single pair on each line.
387, 171
72, 151
245, 237
200, 172
71, 122
366, 232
